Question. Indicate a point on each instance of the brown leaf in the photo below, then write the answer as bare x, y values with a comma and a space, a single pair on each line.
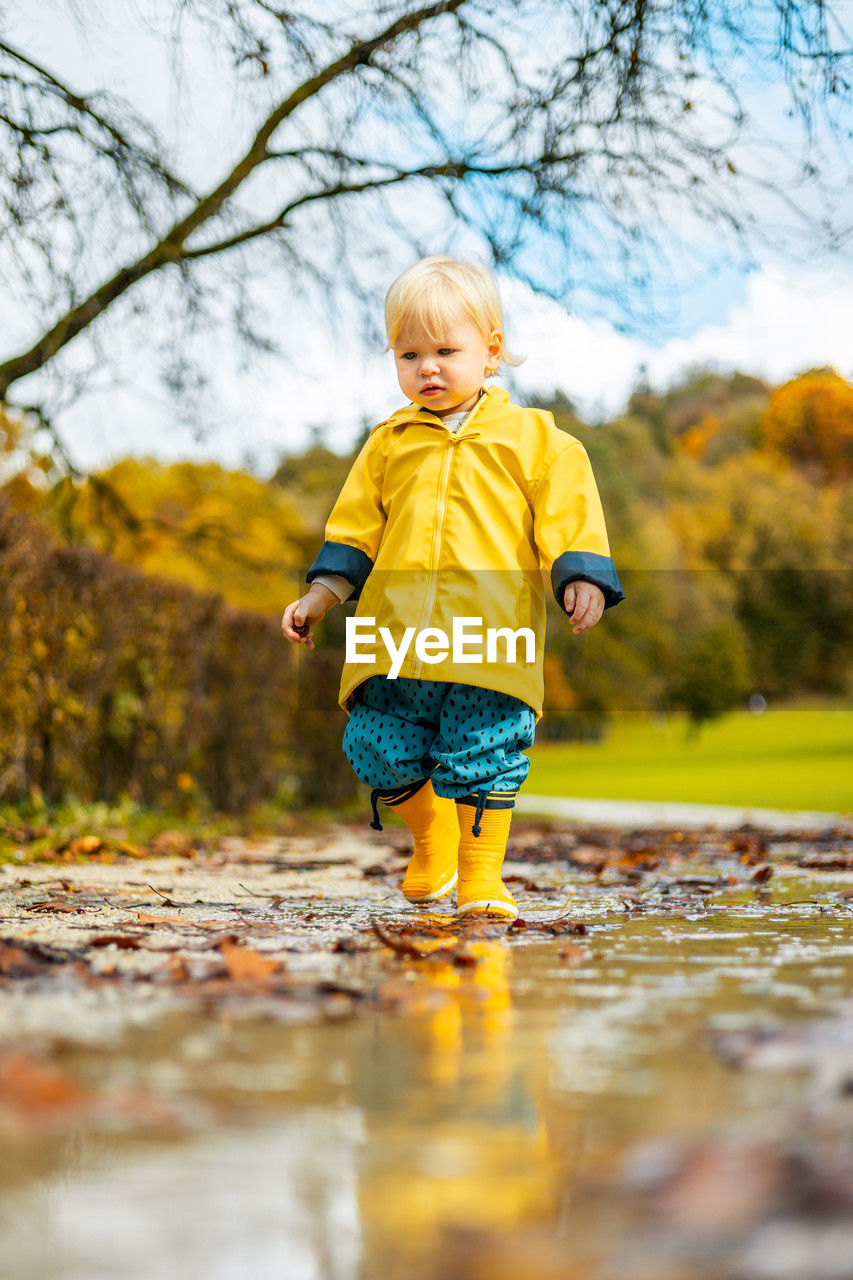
554, 927
131, 850
173, 844
244, 964
145, 918
762, 875
749, 845
575, 927
41, 951
124, 941
15, 962
401, 945
36, 1089
54, 904
531, 886
828, 862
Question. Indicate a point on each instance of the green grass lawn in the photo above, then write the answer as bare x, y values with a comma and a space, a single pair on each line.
787, 758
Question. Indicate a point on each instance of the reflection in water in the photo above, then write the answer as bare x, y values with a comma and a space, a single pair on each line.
465, 1146
529, 1110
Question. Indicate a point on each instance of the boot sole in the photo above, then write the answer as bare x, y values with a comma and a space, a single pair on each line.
438, 893
487, 907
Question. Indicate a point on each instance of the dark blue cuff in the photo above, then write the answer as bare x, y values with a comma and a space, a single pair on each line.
347, 562
588, 567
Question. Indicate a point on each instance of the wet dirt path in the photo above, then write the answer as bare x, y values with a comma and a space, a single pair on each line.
258, 1062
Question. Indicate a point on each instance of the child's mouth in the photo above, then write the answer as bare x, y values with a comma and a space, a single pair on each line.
431, 390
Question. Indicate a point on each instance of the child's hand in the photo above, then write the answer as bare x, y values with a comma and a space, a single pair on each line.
301, 614
584, 603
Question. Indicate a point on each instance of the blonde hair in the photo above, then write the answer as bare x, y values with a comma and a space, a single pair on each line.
433, 290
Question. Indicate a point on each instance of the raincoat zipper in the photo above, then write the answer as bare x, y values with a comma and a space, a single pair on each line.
451, 444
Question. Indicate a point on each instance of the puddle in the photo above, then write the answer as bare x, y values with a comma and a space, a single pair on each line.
668, 1097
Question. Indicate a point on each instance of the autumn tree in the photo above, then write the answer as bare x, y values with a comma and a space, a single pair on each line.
566, 139
810, 421
198, 523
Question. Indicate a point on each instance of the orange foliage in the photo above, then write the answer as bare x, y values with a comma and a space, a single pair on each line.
695, 440
196, 523
810, 420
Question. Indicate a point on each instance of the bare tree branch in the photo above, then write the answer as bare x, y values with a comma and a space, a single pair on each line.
170, 248
84, 106
584, 124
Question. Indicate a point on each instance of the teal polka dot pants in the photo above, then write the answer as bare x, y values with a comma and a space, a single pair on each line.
464, 738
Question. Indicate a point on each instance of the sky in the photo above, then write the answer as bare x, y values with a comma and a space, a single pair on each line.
769, 316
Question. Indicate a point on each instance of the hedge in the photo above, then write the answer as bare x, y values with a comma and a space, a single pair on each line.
113, 682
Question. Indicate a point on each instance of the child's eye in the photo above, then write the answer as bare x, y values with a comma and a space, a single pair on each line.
409, 355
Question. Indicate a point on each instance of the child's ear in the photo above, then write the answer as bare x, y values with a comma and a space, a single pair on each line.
494, 352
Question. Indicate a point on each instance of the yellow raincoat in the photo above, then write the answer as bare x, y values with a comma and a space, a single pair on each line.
433, 525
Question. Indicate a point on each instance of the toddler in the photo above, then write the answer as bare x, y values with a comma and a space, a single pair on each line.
455, 513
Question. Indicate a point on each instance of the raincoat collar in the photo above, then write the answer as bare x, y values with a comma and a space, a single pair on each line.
491, 398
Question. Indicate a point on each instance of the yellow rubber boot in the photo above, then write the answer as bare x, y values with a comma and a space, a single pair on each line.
480, 891
432, 820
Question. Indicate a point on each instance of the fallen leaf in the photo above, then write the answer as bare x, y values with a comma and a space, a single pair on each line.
38, 1090
41, 951
594, 864
15, 962
828, 862
530, 886
145, 917
55, 905
173, 844
401, 945
82, 846
560, 925
750, 846
244, 964
124, 941
131, 850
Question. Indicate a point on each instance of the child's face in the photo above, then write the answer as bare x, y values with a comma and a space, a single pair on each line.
445, 374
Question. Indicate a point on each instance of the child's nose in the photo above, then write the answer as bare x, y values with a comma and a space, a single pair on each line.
428, 364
